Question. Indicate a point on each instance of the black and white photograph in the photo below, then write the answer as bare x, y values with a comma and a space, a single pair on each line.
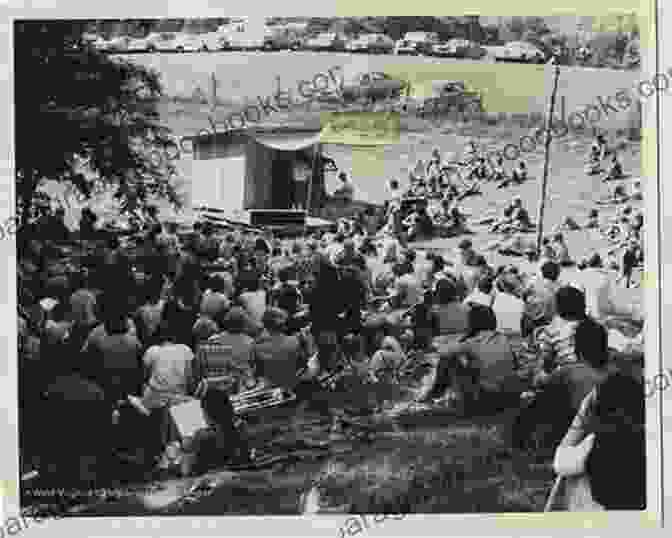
297, 266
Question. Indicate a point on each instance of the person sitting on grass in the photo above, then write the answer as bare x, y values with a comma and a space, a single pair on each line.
615, 171
498, 173
480, 170
593, 219
346, 191
570, 224
481, 362
419, 223
484, 292
221, 442
518, 175
451, 314
277, 356
515, 217
556, 340
594, 165
598, 149
442, 215
610, 426
550, 410
519, 172
547, 250
637, 193
561, 251
386, 361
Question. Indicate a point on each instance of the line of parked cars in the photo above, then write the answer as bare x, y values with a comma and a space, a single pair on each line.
162, 42
240, 38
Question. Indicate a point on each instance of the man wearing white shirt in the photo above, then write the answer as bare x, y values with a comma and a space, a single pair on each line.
596, 283
483, 294
508, 308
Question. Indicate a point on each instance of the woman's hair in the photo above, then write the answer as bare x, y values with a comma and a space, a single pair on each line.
285, 274
325, 273
169, 328
506, 283
248, 281
113, 313
550, 271
571, 303
217, 284
275, 319
591, 343
183, 288
153, 289
438, 264
595, 260
485, 284
480, 318
217, 405
446, 291
234, 320
619, 451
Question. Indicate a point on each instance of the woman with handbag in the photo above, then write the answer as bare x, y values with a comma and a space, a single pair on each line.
601, 462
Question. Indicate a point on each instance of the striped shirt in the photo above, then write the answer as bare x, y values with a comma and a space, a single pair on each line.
556, 342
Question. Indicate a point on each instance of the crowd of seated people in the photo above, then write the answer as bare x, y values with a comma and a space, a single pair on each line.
118, 350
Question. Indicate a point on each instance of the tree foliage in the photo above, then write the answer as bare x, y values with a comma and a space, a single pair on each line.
73, 105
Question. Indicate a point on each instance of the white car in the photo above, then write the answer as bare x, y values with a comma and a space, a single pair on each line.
450, 48
189, 43
416, 43
326, 42
138, 44
115, 44
373, 43
161, 42
520, 51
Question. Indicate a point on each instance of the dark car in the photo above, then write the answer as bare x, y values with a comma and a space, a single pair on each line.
373, 85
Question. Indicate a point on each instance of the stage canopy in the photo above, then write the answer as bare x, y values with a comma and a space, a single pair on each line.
252, 170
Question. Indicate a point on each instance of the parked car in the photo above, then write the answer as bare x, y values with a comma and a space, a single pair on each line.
115, 44
446, 96
520, 51
161, 42
93, 40
416, 43
451, 48
281, 39
189, 43
213, 41
326, 42
138, 44
244, 41
371, 43
373, 85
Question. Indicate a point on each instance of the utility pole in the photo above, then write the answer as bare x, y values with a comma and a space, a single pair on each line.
547, 152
